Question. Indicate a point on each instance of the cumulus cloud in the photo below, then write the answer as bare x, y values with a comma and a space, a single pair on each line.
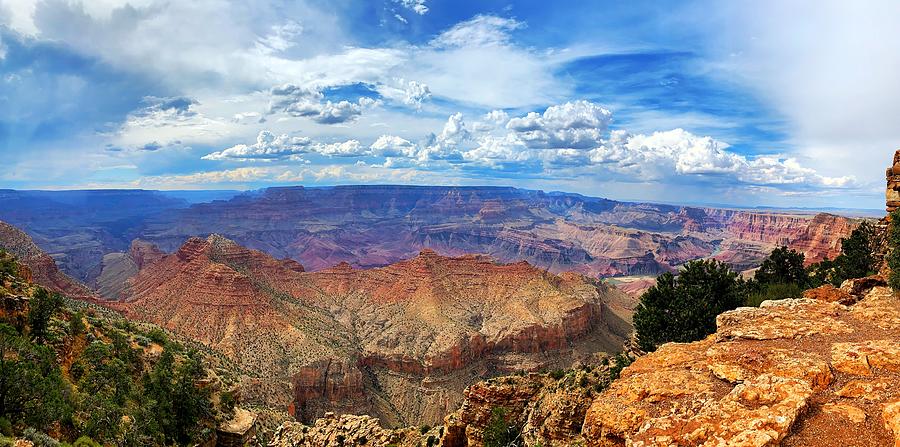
268, 146
573, 138
393, 146
579, 124
271, 147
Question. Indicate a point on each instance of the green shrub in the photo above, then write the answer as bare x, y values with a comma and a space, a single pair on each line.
684, 308
500, 431
42, 307
158, 336
85, 441
783, 266
773, 292
893, 258
557, 374
39, 438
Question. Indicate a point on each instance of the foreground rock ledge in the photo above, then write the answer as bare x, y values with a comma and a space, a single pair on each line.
799, 372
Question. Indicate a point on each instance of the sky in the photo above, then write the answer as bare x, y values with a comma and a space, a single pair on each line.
778, 103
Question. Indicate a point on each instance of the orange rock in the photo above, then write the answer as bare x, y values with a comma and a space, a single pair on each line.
859, 358
854, 414
891, 417
830, 294
868, 390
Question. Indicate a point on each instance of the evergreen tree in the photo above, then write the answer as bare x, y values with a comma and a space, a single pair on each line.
684, 308
41, 308
783, 266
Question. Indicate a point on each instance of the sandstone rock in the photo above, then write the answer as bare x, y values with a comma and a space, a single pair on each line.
237, 431
42, 267
861, 357
789, 318
749, 384
858, 287
736, 362
854, 414
343, 431
868, 390
756, 413
342, 335
891, 417
830, 294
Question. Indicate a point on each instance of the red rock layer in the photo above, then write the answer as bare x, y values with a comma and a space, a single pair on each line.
427, 315
43, 269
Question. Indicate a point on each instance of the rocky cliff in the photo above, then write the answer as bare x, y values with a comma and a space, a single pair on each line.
400, 342
372, 226
42, 267
813, 371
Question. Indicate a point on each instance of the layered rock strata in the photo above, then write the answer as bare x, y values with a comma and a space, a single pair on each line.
401, 342
43, 269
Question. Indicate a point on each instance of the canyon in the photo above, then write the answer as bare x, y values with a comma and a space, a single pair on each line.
399, 342
377, 225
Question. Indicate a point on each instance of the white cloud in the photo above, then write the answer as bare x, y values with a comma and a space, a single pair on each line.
416, 6
304, 102
281, 38
393, 146
829, 68
580, 124
573, 139
267, 147
480, 31
167, 121
238, 175
271, 147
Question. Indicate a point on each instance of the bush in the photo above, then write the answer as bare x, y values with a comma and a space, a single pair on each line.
783, 266
857, 259
773, 292
85, 441
684, 309
500, 432
40, 439
76, 324
158, 336
557, 374
893, 258
43, 305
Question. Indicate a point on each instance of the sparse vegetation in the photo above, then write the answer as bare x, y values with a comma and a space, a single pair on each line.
500, 431
92, 385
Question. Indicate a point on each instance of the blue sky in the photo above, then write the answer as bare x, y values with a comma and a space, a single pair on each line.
747, 103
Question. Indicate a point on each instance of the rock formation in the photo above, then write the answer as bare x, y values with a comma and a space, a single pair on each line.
892, 196
400, 342
42, 267
792, 372
373, 226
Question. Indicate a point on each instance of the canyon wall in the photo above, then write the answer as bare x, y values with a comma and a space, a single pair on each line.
388, 341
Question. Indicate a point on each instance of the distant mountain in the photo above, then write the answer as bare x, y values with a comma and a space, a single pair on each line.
377, 225
401, 341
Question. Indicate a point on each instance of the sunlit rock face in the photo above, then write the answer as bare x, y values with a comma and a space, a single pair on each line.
414, 333
800, 372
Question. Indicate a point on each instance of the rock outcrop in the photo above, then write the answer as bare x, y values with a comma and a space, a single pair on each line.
347, 430
400, 342
892, 194
792, 372
43, 269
